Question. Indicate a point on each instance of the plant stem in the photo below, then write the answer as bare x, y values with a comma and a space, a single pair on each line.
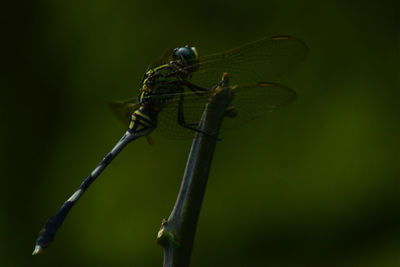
177, 232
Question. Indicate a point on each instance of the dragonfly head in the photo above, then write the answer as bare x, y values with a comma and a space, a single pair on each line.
186, 56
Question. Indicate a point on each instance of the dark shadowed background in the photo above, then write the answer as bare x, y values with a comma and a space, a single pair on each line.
313, 184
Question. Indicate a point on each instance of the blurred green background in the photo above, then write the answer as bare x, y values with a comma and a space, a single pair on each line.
314, 184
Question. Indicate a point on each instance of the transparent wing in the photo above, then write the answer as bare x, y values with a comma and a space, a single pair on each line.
193, 107
255, 100
251, 101
123, 109
265, 59
167, 123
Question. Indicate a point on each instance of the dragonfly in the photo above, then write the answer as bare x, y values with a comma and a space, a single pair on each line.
174, 91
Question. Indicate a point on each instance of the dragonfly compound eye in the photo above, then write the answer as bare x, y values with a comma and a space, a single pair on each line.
186, 55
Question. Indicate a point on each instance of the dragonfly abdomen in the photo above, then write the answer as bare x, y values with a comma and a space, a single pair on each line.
141, 119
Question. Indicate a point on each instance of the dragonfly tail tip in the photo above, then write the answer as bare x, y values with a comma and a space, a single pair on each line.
38, 249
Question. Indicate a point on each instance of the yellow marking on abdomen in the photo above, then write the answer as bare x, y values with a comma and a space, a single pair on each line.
142, 115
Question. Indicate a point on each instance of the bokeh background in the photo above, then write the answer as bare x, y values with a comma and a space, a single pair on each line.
314, 184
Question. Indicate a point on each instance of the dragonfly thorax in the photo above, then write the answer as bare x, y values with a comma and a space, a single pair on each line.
162, 80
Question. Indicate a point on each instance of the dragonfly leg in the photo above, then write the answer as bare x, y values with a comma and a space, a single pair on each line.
181, 119
196, 89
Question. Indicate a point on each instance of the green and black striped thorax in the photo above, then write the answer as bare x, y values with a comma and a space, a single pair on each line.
158, 81
159, 84
168, 78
